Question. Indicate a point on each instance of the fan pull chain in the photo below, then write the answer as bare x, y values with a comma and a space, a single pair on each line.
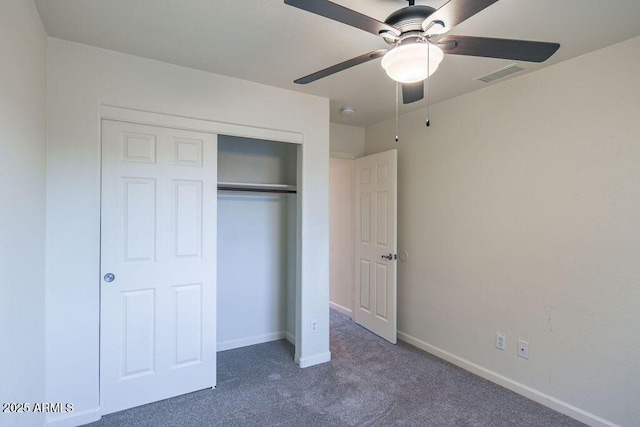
428, 123
397, 90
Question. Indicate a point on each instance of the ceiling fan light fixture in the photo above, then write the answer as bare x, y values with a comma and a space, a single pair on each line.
407, 63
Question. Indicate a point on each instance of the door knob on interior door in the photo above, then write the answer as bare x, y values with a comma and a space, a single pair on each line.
389, 257
109, 277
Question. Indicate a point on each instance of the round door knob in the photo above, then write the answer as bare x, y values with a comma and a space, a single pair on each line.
109, 277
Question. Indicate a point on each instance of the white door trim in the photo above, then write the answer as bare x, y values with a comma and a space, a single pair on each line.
120, 114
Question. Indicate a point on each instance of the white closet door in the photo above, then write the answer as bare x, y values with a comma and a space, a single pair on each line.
376, 264
158, 263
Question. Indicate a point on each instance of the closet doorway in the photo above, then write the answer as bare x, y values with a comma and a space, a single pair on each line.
257, 245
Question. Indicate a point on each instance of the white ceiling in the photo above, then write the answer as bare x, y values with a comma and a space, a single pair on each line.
269, 42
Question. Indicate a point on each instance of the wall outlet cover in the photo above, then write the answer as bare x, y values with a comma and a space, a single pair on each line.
523, 349
501, 341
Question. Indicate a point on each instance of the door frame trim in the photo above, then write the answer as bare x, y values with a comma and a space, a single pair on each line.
109, 112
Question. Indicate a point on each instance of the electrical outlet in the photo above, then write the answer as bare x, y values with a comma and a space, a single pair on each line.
314, 326
501, 341
523, 349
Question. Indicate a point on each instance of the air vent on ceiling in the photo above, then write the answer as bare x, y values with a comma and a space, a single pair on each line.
503, 72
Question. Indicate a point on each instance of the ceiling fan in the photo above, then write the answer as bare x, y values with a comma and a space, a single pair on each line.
415, 34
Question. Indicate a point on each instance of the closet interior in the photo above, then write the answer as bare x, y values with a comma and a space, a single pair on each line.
257, 245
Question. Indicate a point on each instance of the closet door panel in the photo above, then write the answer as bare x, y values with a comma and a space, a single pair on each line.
158, 262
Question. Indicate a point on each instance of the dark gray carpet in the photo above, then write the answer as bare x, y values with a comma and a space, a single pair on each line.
368, 382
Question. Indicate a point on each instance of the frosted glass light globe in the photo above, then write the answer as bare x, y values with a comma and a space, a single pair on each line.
408, 63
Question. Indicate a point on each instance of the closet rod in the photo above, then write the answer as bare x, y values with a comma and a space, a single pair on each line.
256, 187
256, 190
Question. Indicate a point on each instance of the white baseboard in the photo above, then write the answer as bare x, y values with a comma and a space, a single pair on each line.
73, 419
316, 359
528, 392
257, 339
340, 309
290, 337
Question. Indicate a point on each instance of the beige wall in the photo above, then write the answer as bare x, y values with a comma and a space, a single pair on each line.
341, 234
520, 210
23, 124
346, 143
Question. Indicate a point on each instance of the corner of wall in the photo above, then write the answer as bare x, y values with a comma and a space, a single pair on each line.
346, 141
23, 43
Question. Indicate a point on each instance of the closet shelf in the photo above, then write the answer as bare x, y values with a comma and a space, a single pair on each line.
257, 188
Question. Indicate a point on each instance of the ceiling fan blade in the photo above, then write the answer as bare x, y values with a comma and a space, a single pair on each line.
412, 92
454, 12
342, 14
520, 50
341, 66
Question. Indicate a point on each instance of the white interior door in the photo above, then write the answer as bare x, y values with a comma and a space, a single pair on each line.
376, 246
158, 264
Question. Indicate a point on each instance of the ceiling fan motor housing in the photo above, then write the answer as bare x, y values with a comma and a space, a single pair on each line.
409, 18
